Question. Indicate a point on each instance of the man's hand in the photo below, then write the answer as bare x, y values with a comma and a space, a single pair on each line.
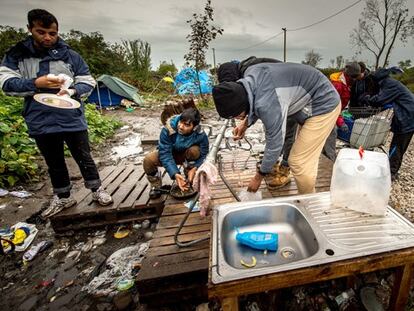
255, 183
181, 182
191, 174
44, 82
69, 92
240, 130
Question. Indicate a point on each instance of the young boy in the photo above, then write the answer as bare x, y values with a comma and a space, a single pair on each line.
181, 142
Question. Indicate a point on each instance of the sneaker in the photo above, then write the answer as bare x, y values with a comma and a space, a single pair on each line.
102, 197
57, 205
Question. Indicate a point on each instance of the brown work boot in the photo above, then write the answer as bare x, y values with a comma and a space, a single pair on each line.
280, 176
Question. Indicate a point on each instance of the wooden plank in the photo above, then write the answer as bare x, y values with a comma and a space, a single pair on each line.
159, 233
174, 221
158, 272
186, 237
230, 304
319, 273
61, 225
174, 249
103, 174
403, 278
135, 194
126, 187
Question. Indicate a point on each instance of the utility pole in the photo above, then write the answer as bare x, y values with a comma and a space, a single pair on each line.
214, 58
284, 44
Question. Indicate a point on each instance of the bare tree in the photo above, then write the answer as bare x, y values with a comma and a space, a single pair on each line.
383, 22
312, 58
138, 55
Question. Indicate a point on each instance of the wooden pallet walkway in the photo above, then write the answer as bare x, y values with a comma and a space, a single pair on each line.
130, 191
169, 273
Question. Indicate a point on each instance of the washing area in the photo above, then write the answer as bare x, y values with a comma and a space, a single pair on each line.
311, 229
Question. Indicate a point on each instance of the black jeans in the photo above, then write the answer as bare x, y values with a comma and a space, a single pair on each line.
52, 148
399, 145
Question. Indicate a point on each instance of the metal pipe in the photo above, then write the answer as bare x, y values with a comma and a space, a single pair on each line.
212, 155
220, 170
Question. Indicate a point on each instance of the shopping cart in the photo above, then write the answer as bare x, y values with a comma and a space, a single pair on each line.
368, 127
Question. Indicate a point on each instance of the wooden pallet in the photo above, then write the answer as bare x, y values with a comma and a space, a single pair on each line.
130, 191
169, 273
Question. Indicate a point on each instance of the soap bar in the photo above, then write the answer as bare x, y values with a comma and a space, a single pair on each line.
259, 240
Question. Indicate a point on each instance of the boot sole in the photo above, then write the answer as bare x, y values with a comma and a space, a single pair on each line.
280, 186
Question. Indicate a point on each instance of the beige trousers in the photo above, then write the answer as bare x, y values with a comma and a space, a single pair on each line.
307, 148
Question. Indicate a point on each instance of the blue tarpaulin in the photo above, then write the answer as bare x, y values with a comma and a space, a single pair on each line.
185, 82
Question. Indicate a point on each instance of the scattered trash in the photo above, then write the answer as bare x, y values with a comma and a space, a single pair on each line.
249, 265
3, 192
20, 206
69, 283
346, 299
36, 249
74, 255
155, 264
52, 299
99, 241
125, 284
121, 233
20, 194
245, 195
370, 299
20, 234
87, 246
45, 283
148, 235
63, 249
196, 206
137, 226
100, 233
145, 224
3, 206
119, 266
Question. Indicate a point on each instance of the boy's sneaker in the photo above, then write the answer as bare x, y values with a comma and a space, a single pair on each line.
57, 205
102, 197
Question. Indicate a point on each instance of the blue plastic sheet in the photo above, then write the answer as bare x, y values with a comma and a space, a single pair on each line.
186, 83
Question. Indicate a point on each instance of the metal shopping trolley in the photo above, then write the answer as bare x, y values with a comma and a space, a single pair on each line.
369, 127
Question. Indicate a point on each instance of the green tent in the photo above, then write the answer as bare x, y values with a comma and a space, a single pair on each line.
111, 90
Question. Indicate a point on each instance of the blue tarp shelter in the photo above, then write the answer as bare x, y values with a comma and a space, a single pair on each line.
110, 90
186, 83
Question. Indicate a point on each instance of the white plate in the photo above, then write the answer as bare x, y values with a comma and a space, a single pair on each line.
53, 100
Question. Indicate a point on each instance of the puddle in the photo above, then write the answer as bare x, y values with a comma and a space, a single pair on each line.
129, 147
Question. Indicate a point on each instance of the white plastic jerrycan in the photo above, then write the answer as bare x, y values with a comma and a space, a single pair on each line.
361, 181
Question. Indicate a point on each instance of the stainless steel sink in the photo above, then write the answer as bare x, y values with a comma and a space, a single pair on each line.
296, 238
311, 232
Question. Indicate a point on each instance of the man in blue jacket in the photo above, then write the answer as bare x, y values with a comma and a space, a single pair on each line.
24, 72
402, 126
182, 141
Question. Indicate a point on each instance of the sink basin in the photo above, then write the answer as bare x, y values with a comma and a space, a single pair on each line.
311, 232
296, 238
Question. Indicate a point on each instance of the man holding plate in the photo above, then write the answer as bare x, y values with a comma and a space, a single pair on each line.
38, 69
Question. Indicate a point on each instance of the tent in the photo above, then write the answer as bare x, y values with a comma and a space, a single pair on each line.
110, 90
186, 82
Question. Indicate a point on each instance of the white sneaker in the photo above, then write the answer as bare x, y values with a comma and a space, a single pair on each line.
58, 205
102, 197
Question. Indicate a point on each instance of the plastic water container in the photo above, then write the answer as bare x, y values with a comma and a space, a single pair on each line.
362, 185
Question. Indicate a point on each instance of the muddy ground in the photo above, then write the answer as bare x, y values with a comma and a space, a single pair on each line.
54, 280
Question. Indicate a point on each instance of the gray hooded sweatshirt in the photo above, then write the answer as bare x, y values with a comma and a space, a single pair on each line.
279, 90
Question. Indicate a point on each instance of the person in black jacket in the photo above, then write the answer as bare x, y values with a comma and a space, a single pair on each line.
402, 126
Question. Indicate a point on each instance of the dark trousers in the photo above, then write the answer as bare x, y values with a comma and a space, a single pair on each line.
290, 135
52, 148
399, 145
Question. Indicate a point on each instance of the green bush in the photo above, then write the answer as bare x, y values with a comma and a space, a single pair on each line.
100, 127
18, 151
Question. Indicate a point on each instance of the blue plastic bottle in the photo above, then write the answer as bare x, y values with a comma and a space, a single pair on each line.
259, 240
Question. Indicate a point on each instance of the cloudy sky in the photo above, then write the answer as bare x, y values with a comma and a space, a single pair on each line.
246, 23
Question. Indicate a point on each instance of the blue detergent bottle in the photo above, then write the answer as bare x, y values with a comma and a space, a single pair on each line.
258, 240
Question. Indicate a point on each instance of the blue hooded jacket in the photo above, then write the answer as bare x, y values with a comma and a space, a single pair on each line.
171, 140
402, 99
21, 66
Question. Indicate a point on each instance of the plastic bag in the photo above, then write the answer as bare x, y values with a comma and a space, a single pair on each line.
245, 195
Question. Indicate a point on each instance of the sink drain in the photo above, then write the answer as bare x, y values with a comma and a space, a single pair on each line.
287, 253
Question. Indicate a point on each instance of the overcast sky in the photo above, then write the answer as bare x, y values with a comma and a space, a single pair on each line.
162, 23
